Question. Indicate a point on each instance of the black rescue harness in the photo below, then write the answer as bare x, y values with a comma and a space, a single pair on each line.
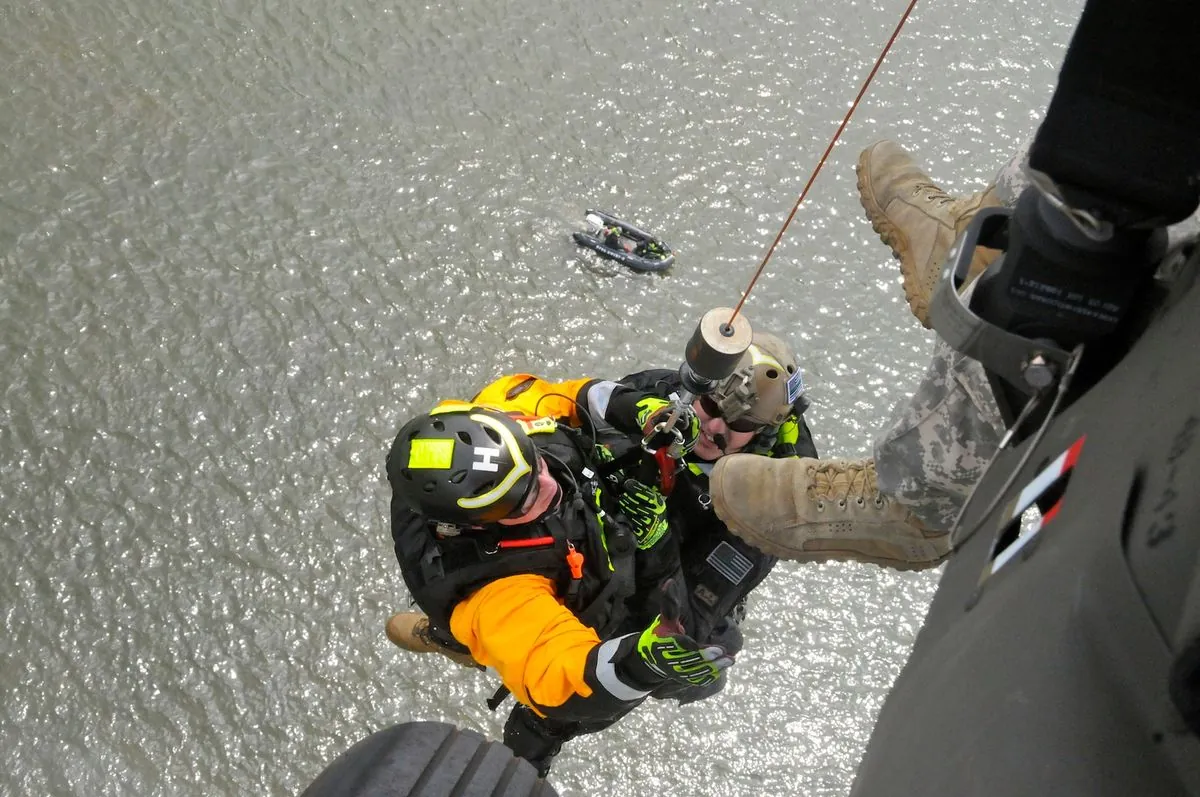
720, 569
582, 544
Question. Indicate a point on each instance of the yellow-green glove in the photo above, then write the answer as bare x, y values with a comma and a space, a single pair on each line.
685, 431
646, 510
665, 649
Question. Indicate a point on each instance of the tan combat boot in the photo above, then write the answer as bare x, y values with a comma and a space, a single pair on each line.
813, 510
917, 219
410, 630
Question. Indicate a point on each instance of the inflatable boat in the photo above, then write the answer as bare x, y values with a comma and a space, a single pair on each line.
623, 242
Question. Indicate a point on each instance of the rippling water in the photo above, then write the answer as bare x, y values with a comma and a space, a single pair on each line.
240, 242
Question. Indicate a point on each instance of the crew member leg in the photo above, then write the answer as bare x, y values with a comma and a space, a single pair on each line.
940, 440
919, 220
896, 509
539, 739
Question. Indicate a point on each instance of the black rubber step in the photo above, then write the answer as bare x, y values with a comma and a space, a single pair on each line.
428, 759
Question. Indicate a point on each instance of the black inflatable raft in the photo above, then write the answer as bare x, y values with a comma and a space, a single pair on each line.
621, 241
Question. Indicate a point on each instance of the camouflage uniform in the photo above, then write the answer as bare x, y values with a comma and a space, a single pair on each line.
1010, 181
940, 440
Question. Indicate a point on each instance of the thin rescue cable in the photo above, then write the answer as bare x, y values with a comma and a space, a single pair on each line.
813, 177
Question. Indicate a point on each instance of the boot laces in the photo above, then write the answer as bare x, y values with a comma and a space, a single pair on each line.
421, 631
845, 482
932, 193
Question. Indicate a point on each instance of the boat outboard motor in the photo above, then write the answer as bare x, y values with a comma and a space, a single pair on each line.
1061, 653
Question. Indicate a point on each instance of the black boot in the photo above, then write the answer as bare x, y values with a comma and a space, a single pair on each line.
536, 739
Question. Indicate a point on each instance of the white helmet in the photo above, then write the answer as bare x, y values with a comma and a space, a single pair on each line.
764, 388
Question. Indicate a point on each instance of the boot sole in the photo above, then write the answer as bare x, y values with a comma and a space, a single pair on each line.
836, 555
915, 294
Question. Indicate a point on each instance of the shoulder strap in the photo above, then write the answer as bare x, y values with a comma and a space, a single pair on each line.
611, 598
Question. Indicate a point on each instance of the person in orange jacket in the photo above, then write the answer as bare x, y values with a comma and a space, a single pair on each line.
524, 557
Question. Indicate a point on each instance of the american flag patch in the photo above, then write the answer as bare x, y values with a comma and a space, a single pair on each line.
795, 386
727, 561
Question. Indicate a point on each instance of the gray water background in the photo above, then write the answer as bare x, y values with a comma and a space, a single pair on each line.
241, 242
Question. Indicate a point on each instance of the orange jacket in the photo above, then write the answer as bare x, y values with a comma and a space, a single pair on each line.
535, 396
519, 627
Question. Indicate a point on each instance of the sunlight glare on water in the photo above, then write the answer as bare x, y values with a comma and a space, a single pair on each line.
242, 242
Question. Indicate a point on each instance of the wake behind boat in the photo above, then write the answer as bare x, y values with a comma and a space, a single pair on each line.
621, 241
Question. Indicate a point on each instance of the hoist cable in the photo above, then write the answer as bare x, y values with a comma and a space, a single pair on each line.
816, 171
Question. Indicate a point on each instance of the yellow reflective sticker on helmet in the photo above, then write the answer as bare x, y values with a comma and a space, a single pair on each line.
435, 454
520, 466
452, 405
760, 357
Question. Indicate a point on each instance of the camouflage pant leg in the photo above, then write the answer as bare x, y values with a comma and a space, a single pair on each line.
940, 440
1010, 181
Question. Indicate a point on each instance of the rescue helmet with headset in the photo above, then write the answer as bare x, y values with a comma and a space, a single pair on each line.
762, 391
463, 464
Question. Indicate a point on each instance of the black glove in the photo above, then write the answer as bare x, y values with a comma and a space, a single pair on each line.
670, 654
686, 693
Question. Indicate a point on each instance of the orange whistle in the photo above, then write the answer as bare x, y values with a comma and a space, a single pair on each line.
574, 561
